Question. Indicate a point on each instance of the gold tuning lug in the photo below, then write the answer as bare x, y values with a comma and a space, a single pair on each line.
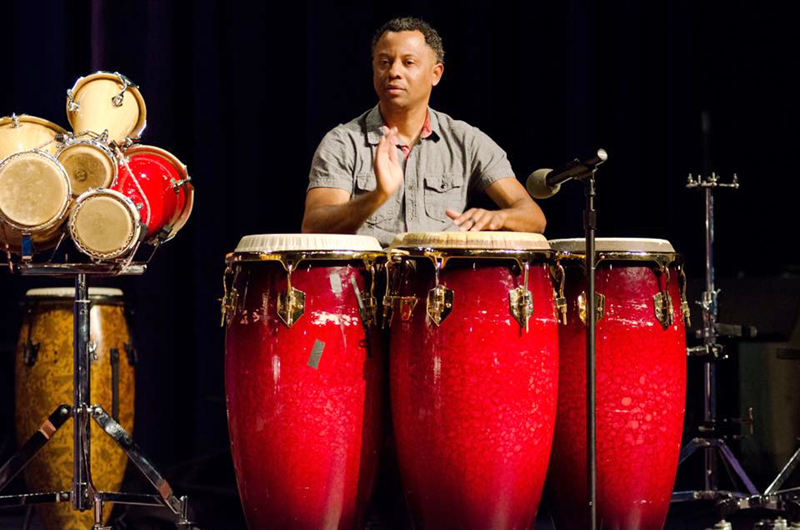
440, 304
229, 299
599, 306
662, 303
561, 308
291, 305
520, 302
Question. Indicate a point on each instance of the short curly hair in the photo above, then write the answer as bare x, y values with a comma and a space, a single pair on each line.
432, 38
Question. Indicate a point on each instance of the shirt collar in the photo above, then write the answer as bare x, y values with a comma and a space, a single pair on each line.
375, 122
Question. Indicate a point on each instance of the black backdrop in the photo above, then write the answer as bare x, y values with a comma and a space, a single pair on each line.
243, 92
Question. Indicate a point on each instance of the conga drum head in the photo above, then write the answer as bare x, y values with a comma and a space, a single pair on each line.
471, 241
166, 183
104, 224
34, 191
614, 244
274, 243
107, 101
89, 164
23, 133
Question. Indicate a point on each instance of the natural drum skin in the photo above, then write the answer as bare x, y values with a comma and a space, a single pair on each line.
43, 381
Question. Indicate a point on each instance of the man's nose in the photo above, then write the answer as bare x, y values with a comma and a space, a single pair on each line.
394, 69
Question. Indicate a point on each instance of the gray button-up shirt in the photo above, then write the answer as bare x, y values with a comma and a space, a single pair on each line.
453, 161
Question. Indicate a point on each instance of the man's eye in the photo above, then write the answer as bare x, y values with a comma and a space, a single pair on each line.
409, 63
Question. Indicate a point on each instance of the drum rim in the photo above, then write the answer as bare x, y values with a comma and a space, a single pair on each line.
141, 122
75, 142
62, 213
28, 118
134, 237
40, 294
661, 258
398, 254
296, 256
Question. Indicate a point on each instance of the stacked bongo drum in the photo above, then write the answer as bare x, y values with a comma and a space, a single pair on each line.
99, 187
481, 342
96, 183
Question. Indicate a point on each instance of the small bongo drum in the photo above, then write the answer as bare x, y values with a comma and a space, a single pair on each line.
105, 225
641, 384
89, 164
34, 199
23, 133
160, 186
304, 375
105, 101
43, 380
473, 374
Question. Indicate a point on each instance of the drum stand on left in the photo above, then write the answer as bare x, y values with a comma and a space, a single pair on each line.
83, 495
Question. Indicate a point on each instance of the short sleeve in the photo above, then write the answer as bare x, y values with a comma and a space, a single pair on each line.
489, 161
333, 163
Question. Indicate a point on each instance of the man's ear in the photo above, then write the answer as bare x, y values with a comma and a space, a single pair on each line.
438, 70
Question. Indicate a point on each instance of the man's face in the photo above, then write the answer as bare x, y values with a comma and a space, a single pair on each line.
404, 69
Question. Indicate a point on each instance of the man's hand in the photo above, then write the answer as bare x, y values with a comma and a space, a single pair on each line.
477, 219
388, 171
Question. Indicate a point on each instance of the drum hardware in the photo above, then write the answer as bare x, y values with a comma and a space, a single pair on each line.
599, 305
520, 300
15, 120
291, 302
30, 353
558, 274
711, 441
83, 494
229, 295
131, 353
440, 299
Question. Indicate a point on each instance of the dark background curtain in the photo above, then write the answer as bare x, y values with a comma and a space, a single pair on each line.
243, 92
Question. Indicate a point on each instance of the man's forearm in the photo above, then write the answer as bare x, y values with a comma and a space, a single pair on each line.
344, 218
524, 216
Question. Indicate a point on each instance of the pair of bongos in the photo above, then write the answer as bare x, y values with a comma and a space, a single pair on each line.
111, 195
477, 394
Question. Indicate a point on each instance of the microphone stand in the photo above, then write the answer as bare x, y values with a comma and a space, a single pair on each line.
590, 227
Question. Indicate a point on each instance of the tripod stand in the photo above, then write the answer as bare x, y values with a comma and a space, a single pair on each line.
714, 448
83, 495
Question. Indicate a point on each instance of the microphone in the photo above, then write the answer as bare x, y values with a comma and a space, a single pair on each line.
544, 183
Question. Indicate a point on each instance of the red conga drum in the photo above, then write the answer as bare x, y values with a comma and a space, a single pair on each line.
641, 384
303, 378
473, 371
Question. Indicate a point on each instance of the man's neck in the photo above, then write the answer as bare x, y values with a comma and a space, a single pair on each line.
409, 121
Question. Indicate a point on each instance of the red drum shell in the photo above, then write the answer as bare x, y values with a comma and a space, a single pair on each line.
158, 203
640, 402
305, 440
474, 399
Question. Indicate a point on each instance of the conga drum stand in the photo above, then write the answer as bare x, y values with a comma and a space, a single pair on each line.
83, 494
713, 445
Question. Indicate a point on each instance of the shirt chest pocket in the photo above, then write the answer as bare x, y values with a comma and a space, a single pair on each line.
365, 183
443, 191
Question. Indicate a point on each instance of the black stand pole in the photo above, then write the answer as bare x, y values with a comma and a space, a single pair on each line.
590, 225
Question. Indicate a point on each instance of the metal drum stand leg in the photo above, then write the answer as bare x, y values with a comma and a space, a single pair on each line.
714, 448
83, 494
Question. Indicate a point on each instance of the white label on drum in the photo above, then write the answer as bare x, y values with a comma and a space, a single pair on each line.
336, 283
316, 354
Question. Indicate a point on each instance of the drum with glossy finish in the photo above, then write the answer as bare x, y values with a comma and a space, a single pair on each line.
105, 101
34, 199
641, 386
303, 380
473, 397
43, 380
23, 133
159, 185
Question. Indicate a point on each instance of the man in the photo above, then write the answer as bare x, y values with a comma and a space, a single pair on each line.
403, 167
